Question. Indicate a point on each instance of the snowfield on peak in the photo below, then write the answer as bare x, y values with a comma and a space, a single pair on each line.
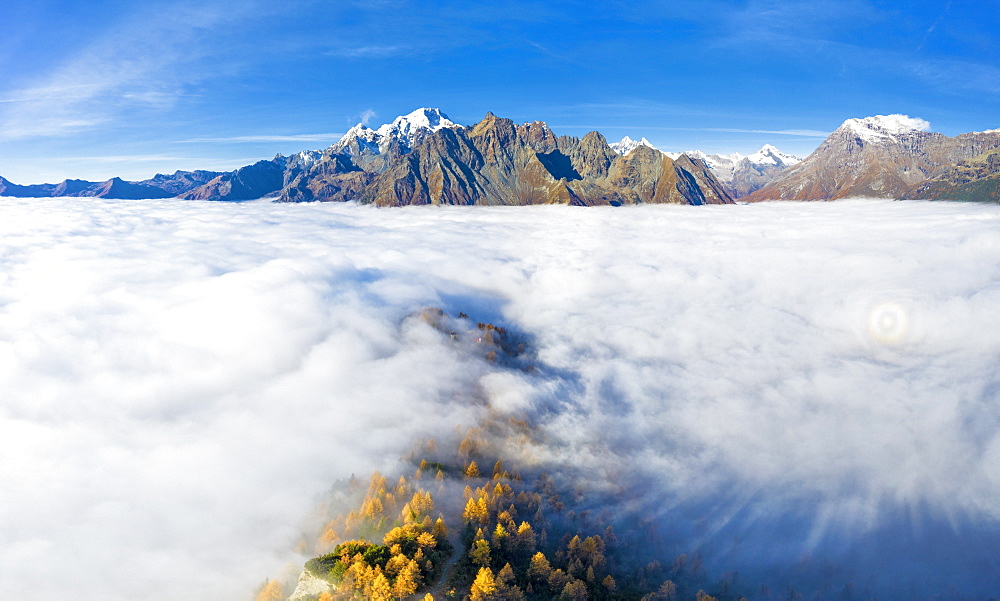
406, 129
717, 162
880, 127
627, 145
769, 155
406, 126
725, 166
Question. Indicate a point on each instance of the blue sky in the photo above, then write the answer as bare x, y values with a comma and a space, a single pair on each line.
111, 87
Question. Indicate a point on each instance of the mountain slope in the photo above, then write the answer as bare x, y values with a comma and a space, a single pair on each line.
886, 156
977, 178
246, 183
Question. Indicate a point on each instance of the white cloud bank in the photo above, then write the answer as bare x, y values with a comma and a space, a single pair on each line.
184, 379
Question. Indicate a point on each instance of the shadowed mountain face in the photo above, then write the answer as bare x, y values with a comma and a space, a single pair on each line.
246, 183
879, 157
496, 162
160, 186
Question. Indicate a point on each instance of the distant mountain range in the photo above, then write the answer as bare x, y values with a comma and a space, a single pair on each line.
426, 158
741, 174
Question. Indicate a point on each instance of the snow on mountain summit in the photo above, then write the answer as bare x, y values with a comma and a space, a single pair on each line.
406, 126
878, 127
720, 164
627, 145
406, 129
769, 155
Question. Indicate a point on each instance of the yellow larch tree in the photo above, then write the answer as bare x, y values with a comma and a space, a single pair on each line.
406, 581
540, 568
380, 588
440, 530
272, 591
484, 587
575, 590
426, 540
480, 553
609, 583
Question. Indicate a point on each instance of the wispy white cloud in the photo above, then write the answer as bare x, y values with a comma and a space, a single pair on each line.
144, 59
807, 133
367, 115
804, 133
325, 137
369, 51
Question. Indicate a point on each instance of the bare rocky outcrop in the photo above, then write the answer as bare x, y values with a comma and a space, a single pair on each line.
309, 587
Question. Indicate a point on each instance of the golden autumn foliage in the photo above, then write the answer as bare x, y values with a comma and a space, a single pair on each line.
480, 553
529, 527
484, 587
406, 582
272, 591
540, 568
609, 583
380, 589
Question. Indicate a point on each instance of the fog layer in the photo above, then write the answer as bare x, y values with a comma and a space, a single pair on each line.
782, 382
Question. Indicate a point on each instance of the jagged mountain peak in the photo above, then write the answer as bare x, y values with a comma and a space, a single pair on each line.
406, 130
429, 119
769, 155
627, 145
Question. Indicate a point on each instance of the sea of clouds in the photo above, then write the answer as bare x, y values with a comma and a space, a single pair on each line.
808, 384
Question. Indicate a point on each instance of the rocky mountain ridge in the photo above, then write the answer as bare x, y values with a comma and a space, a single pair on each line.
497, 162
891, 156
426, 158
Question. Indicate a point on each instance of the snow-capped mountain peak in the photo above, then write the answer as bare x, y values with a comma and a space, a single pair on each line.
422, 119
718, 163
627, 145
769, 155
879, 127
407, 130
